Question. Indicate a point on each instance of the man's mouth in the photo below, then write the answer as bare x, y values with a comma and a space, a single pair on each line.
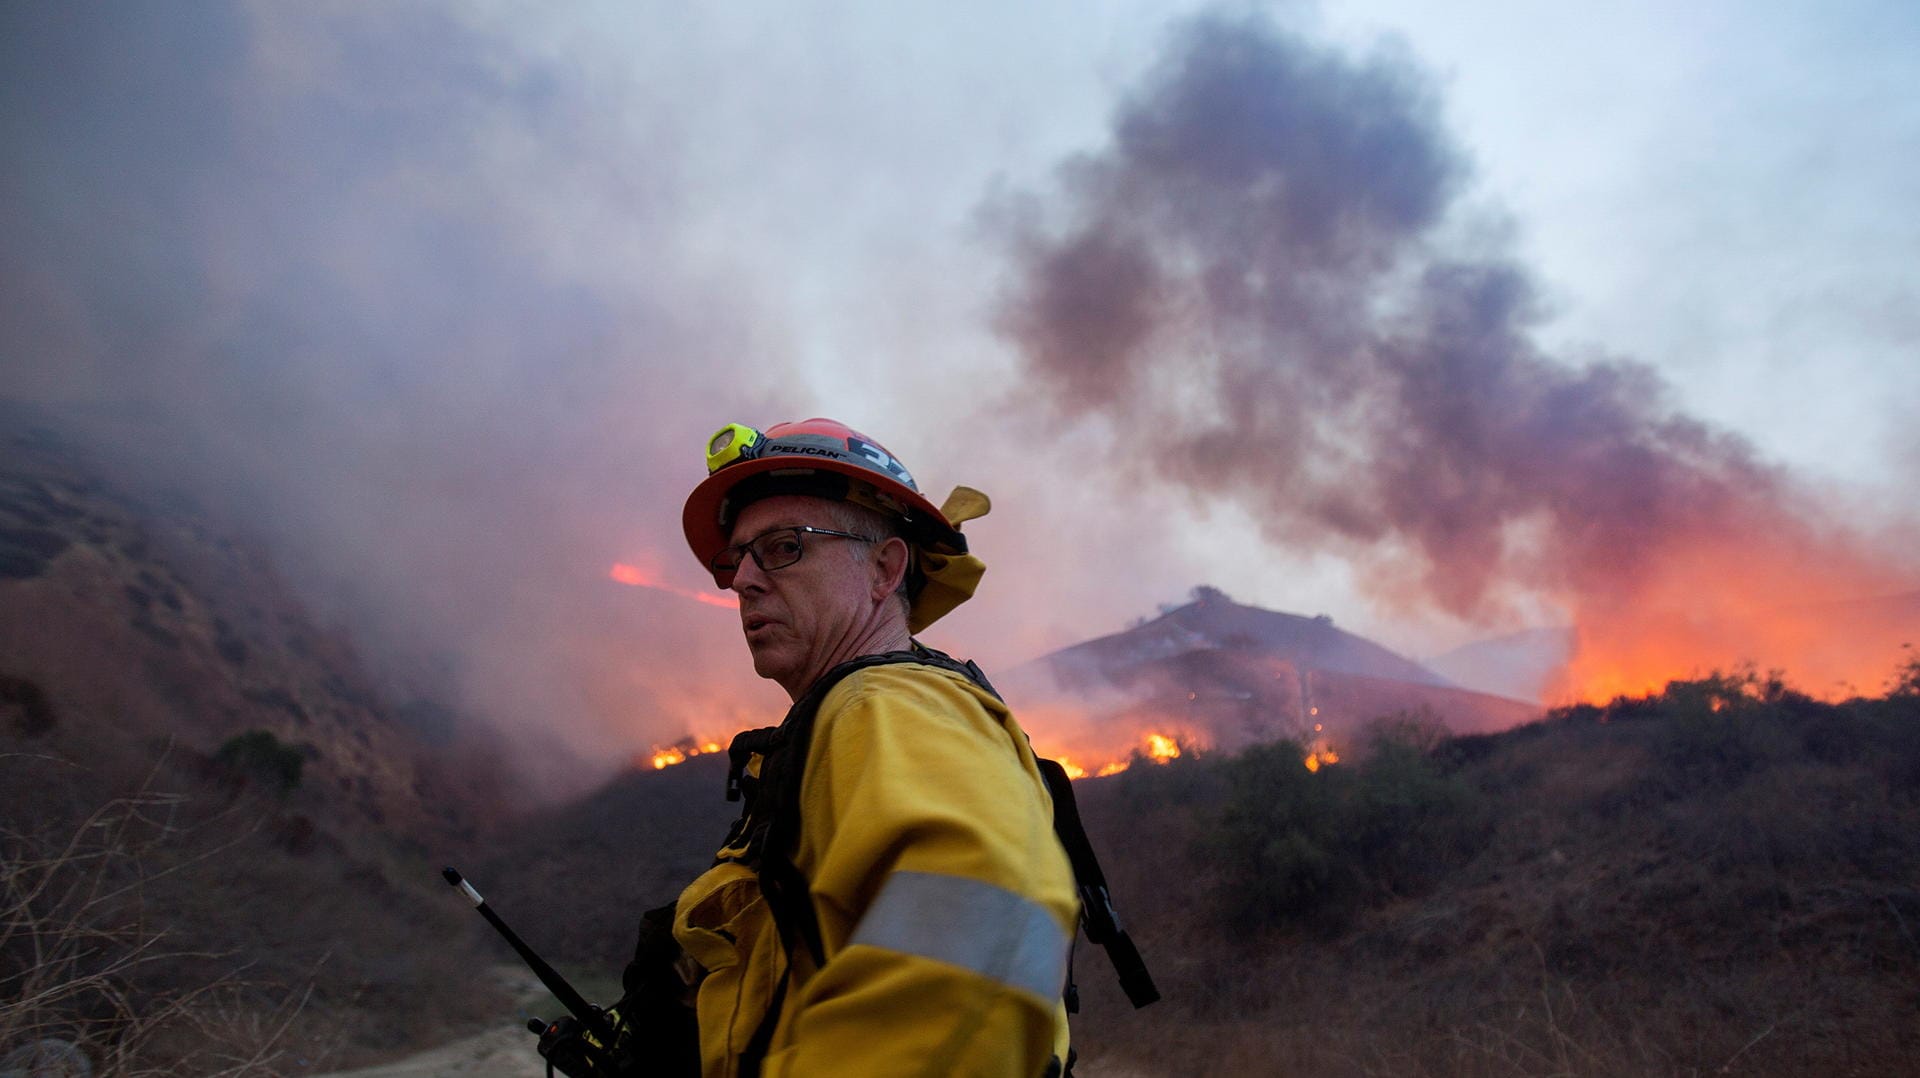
752, 623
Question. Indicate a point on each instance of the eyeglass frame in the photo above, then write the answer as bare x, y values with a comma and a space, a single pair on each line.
742, 551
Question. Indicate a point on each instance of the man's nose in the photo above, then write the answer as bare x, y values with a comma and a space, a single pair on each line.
749, 576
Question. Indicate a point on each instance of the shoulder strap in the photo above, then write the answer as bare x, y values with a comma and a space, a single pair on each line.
1097, 915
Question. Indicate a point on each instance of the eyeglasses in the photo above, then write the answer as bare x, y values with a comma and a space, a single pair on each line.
772, 550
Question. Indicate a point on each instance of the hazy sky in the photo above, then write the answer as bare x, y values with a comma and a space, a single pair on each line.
444, 298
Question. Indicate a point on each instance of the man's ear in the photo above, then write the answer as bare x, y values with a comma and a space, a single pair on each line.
889, 566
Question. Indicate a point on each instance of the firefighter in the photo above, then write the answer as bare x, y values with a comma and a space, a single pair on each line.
894, 899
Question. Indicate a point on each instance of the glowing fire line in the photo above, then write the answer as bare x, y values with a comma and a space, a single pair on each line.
661, 757
634, 576
1153, 747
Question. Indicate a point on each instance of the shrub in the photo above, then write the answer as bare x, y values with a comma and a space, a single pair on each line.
264, 758
1279, 838
1147, 785
1411, 822
1324, 844
1721, 728
33, 711
1906, 680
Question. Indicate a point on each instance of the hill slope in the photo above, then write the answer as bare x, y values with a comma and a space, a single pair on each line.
1212, 622
1721, 879
1237, 675
213, 819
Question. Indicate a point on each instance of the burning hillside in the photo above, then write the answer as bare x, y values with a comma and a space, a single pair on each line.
1212, 674
1151, 746
1215, 674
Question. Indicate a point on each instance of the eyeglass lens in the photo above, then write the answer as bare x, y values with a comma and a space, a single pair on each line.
774, 550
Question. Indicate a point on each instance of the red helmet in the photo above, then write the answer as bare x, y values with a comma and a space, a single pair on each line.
820, 458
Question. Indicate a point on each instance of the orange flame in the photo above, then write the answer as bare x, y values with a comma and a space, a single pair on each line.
1789, 589
1152, 746
661, 757
634, 576
1155, 747
1162, 748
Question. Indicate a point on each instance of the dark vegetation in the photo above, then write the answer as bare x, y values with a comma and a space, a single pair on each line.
31, 711
1317, 845
259, 756
1721, 878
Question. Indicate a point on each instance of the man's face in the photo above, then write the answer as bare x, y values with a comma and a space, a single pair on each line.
802, 620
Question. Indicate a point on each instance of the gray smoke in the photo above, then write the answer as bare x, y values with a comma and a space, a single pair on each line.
374, 285
1270, 284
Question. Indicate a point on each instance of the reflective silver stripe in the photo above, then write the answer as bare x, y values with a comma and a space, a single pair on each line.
971, 924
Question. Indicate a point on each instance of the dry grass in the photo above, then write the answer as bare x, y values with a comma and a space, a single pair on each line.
80, 950
1668, 889
168, 930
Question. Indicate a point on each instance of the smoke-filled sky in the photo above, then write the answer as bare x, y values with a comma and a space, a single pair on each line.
1428, 317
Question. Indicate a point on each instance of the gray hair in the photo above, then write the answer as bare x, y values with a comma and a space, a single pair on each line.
849, 517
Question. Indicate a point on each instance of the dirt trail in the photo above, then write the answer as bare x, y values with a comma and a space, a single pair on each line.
507, 1051
497, 1053
502, 1052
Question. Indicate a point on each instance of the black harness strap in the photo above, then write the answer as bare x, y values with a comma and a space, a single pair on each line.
1097, 915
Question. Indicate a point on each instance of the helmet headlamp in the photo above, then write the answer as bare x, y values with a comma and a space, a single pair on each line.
735, 441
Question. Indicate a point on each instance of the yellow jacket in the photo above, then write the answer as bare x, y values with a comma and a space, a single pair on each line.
946, 905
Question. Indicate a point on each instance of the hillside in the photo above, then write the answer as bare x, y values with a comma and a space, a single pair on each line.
1719, 879
144, 619
577, 877
1213, 622
213, 818
1231, 675
1522, 665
